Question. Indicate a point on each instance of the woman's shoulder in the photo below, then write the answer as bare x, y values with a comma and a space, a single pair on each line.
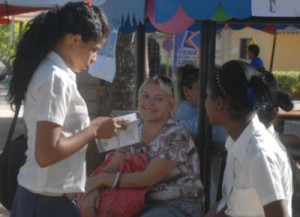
264, 145
49, 72
174, 127
185, 109
185, 104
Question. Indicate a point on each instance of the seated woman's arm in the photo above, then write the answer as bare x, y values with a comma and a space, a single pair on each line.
155, 171
115, 163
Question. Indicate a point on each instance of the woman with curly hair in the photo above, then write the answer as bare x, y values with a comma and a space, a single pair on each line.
56, 45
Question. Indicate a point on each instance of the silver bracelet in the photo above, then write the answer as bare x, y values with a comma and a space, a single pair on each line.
117, 179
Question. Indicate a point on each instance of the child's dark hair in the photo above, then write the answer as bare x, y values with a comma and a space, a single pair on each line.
279, 99
254, 49
186, 76
243, 86
42, 35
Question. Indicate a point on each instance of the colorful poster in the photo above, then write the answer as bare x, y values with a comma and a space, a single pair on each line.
186, 48
105, 65
276, 8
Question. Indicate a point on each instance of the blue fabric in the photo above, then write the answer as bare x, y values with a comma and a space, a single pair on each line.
165, 10
257, 63
187, 114
119, 11
173, 208
236, 26
28, 204
219, 134
127, 14
200, 9
239, 9
259, 26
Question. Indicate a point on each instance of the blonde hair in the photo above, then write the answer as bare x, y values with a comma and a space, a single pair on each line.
164, 83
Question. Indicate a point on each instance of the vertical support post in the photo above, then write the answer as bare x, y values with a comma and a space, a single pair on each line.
207, 62
12, 30
273, 51
139, 58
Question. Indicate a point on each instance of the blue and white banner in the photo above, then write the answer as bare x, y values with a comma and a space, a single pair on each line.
186, 48
105, 65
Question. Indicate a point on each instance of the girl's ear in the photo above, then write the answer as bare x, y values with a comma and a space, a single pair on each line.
74, 39
186, 92
220, 104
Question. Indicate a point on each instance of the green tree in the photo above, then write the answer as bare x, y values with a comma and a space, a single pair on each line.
7, 42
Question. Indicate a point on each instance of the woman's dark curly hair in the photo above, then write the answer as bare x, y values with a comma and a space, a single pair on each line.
42, 35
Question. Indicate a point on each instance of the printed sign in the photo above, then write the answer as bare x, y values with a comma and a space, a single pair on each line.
186, 48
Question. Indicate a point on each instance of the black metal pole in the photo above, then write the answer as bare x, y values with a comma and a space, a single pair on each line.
139, 58
273, 51
207, 62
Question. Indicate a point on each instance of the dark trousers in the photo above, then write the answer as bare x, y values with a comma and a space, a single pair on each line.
28, 204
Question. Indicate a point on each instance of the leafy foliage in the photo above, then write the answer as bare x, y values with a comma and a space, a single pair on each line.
7, 47
288, 81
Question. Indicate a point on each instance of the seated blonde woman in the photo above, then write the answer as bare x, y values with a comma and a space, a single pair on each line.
173, 171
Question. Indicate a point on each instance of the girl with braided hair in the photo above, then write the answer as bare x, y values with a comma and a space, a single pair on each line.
258, 177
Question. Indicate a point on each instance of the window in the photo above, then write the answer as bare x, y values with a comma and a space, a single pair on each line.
244, 43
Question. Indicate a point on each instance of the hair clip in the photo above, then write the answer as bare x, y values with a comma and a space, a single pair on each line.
263, 106
89, 3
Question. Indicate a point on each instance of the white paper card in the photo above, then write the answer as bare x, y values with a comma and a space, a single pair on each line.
123, 137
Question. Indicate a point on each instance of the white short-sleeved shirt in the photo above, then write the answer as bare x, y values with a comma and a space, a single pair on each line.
258, 170
52, 96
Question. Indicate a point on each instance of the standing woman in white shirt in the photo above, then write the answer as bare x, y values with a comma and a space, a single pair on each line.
56, 45
258, 178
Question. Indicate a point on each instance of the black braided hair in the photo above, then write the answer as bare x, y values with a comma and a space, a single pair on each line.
243, 86
279, 99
